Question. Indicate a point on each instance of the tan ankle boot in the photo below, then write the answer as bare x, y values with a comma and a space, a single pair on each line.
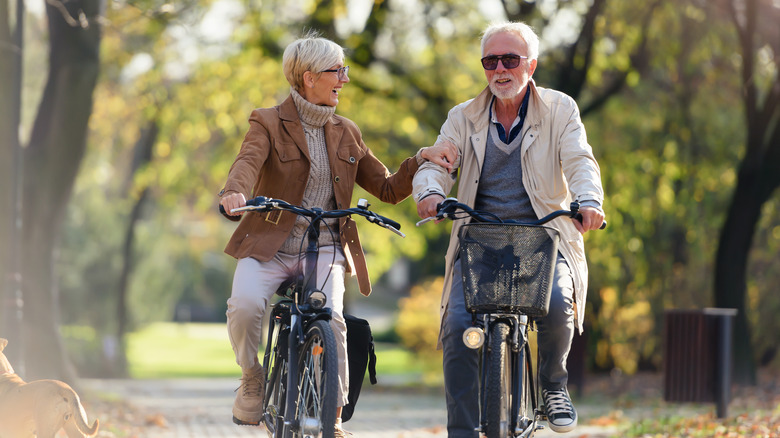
339, 431
248, 407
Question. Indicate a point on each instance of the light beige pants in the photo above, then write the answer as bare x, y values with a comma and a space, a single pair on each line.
254, 284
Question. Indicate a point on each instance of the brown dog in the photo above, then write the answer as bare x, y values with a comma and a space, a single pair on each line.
40, 408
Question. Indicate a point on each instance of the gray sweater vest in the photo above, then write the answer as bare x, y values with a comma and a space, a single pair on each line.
501, 189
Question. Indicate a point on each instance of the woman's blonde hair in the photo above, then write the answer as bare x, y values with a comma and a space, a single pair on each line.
522, 30
311, 53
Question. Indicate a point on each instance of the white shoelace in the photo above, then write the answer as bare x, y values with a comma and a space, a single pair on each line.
557, 402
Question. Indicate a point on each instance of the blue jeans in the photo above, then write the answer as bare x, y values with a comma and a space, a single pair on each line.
461, 364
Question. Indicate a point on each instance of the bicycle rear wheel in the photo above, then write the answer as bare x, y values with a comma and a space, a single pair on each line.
498, 403
315, 415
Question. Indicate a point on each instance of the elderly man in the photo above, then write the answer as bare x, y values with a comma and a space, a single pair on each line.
523, 153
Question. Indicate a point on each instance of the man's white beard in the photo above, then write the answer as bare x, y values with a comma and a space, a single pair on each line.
505, 93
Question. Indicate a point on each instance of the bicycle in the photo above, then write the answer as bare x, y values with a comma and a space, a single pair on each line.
507, 269
300, 360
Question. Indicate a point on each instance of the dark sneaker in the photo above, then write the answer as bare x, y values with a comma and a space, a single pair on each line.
561, 416
248, 407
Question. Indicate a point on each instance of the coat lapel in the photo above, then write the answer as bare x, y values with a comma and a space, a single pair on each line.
533, 118
292, 125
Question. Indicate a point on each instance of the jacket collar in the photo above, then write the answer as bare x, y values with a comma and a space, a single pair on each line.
334, 129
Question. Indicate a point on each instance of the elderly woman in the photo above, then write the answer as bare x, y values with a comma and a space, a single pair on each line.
304, 153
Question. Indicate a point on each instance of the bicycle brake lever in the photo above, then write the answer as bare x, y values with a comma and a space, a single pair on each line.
398, 232
427, 219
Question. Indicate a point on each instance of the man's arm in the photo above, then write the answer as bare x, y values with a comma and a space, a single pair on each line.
433, 182
582, 172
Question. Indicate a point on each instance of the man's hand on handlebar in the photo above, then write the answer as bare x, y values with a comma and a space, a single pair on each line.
428, 206
592, 219
233, 200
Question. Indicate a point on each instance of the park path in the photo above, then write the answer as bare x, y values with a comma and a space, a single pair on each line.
200, 408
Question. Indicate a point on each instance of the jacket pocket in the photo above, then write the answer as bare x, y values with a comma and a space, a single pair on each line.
350, 154
287, 151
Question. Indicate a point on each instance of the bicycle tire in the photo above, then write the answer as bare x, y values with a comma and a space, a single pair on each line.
498, 403
526, 415
275, 364
315, 415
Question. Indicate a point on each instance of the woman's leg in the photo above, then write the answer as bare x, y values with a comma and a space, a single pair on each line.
254, 283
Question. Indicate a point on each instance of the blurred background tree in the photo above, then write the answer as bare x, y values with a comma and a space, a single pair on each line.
669, 91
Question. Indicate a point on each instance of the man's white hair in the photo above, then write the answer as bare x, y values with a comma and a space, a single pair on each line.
522, 30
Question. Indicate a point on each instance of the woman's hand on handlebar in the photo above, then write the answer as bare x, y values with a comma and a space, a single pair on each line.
428, 207
232, 200
592, 219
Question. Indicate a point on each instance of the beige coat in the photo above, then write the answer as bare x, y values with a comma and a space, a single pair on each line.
274, 162
558, 166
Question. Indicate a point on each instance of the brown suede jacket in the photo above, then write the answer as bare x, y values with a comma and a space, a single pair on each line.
274, 162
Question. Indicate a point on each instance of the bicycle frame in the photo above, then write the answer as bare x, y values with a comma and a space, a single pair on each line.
296, 325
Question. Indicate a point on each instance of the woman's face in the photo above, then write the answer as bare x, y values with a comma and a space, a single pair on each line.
322, 88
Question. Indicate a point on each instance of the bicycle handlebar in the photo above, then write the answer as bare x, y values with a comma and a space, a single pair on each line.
262, 204
449, 208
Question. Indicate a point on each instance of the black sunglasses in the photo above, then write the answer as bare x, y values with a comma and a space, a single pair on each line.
508, 61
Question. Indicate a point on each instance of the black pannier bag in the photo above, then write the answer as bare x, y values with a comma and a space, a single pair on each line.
361, 355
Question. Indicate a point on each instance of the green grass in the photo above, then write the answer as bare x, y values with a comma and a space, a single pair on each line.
178, 350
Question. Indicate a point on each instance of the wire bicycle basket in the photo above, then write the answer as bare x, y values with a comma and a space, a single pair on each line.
508, 268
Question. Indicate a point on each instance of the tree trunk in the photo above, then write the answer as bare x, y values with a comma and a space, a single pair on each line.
142, 157
10, 172
51, 163
757, 180
731, 270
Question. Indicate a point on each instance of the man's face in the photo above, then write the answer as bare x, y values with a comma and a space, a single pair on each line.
508, 83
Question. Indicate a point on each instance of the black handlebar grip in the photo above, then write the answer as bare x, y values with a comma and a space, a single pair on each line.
390, 222
254, 201
578, 216
227, 216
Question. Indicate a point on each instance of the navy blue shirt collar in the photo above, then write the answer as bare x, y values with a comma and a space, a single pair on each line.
515, 130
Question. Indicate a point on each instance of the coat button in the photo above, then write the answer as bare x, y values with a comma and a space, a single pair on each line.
337, 179
352, 160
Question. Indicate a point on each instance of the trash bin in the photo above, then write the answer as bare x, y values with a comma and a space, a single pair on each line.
697, 356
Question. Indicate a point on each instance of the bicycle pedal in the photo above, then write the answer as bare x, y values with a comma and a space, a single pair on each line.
245, 423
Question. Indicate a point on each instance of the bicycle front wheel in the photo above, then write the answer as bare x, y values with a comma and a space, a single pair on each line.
315, 414
498, 402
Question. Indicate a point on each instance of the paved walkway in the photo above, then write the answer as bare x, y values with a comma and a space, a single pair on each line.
200, 408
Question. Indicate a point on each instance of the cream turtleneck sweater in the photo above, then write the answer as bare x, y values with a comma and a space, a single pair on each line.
319, 188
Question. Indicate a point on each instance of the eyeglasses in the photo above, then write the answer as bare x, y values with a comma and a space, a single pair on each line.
343, 72
508, 61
